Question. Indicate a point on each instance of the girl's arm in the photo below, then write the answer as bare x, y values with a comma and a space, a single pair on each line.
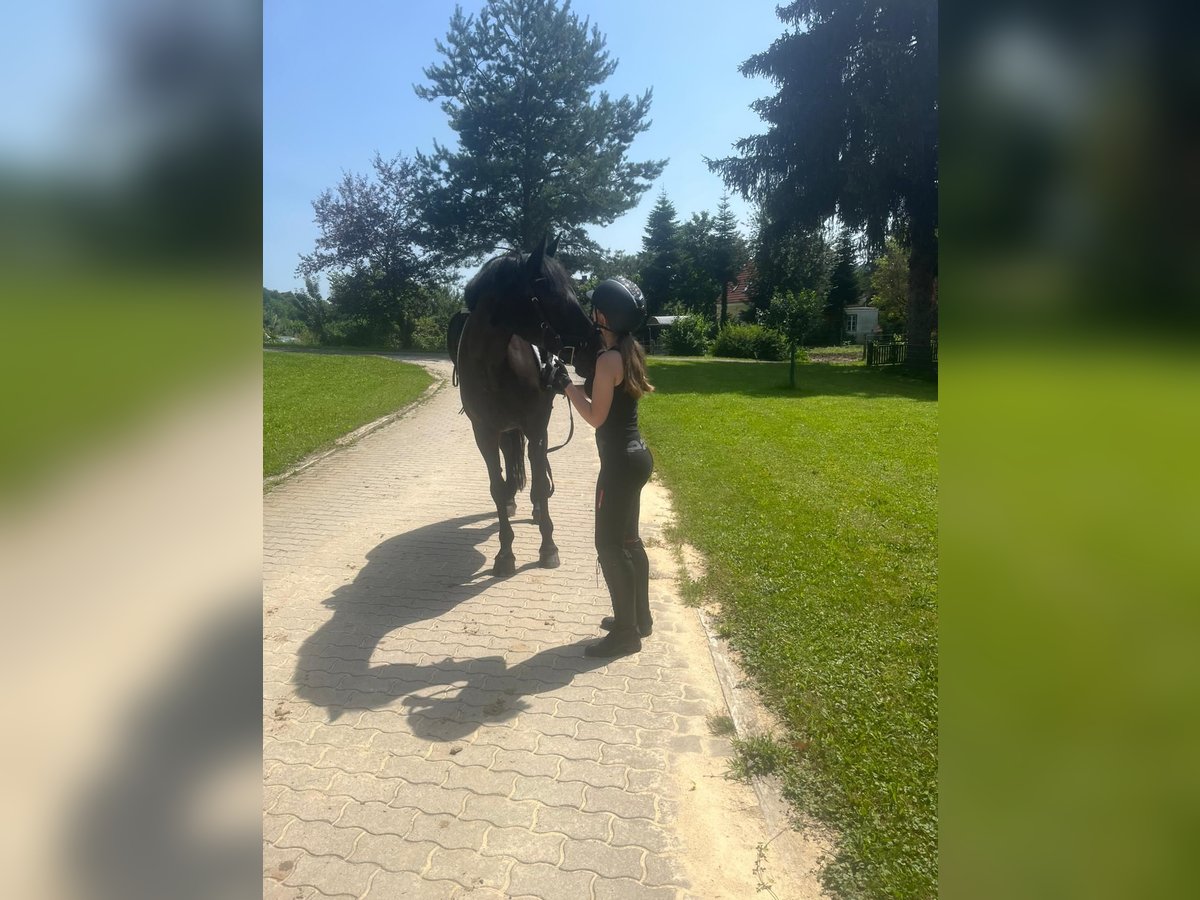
608, 375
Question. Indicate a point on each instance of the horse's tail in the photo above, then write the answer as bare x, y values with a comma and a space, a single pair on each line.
515, 457
453, 336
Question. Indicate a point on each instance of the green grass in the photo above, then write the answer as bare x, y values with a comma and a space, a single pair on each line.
852, 355
309, 400
817, 511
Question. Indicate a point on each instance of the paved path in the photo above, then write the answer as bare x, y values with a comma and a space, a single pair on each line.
431, 731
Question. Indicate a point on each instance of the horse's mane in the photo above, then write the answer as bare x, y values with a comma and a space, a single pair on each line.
503, 276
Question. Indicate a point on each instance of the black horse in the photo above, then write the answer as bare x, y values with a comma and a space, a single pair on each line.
520, 309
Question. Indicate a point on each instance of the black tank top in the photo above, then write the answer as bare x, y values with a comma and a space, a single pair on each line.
620, 429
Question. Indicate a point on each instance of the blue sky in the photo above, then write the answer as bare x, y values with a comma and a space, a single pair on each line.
337, 86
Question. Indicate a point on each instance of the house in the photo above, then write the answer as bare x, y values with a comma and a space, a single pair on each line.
860, 323
738, 298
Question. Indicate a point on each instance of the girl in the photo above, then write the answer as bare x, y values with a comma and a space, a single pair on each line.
609, 402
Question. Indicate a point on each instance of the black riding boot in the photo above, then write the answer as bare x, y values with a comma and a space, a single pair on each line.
623, 639
641, 590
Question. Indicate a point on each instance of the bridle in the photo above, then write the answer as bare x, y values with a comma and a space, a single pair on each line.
552, 342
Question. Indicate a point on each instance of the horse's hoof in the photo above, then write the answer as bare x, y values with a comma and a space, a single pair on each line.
511, 509
549, 560
504, 566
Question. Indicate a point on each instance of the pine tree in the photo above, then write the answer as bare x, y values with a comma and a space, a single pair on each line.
660, 247
729, 252
853, 132
539, 148
698, 283
843, 284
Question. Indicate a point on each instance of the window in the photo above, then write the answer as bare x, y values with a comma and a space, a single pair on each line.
851, 322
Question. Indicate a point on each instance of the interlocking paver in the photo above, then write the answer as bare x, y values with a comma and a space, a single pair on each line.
331, 876
273, 826
500, 811
639, 833
468, 868
607, 861
660, 871
320, 838
569, 748
391, 885
626, 889
574, 823
393, 853
540, 880
430, 799
592, 773
375, 817
549, 791
479, 780
363, 786
310, 805
431, 731
299, 778
450, 832
415, 769
525, 846
529, 764
619, 802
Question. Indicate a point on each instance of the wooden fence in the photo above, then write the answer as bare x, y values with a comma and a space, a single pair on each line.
890, 352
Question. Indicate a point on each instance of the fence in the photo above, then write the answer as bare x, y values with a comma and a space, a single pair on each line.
892, 352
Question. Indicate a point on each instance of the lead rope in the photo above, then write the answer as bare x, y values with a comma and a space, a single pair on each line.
570, 434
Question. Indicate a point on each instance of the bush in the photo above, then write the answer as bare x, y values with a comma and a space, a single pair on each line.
750, 342
357, 333
687, 336
429, 335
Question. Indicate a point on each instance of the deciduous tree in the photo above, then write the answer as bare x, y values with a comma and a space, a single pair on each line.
370, 247
795, 315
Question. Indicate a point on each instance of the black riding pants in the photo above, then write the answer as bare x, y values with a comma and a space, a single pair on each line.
623, 474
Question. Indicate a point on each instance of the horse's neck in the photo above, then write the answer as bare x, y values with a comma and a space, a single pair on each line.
495, 340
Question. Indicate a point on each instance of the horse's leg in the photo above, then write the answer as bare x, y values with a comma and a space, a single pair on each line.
514, 467
489, 447
539, 494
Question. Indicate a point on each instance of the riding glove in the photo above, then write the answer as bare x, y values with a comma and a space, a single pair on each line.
559, 377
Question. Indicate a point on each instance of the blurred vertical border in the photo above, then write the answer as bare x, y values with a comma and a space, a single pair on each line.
130, 479
1069, 522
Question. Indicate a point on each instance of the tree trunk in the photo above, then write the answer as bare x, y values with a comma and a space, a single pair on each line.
922, 276
792, 368
922, 311
724, 303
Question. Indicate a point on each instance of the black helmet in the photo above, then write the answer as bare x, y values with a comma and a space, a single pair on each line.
622, 303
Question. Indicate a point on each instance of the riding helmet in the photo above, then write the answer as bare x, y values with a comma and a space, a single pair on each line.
622, 303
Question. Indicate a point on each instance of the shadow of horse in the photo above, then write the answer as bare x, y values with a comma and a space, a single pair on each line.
412, 579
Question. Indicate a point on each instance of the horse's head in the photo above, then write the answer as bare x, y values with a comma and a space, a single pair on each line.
561, 322
532, 296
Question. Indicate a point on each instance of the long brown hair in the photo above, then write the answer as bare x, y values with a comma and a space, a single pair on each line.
633, 359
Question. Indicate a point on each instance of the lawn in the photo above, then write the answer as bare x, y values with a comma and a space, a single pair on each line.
817, 511
311, 399
851, 355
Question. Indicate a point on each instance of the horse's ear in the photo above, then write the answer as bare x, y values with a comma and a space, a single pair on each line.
533, 266
553, 248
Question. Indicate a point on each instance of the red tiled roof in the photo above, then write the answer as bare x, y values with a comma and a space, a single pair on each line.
739, 289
